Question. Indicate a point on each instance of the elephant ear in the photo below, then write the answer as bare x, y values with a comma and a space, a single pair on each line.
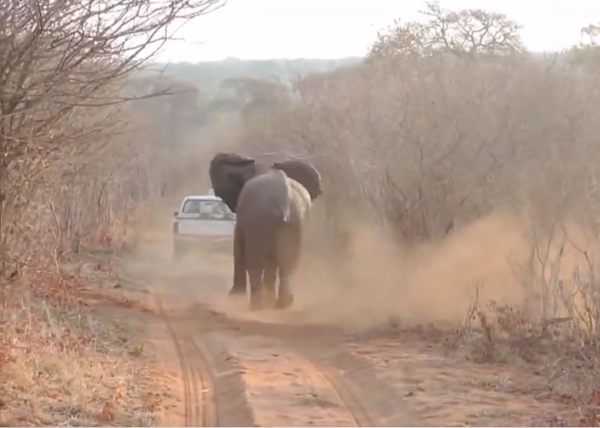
228, 173
304, 173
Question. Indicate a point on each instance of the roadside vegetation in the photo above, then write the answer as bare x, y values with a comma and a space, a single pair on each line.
71, 179
448, 123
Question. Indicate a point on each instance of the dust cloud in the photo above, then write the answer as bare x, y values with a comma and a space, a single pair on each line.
380, 282
374, 283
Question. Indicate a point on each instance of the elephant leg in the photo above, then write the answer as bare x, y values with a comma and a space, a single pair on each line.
239, 264
269, 282
285, 299
256, 290
288, 254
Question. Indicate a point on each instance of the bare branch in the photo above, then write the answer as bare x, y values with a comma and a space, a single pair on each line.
465, 33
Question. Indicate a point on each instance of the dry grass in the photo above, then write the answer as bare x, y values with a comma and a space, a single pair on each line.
503, 334
59, 365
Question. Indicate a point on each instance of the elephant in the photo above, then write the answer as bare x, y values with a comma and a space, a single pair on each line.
271, 203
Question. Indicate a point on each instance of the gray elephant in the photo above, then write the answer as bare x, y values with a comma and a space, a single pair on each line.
271, 203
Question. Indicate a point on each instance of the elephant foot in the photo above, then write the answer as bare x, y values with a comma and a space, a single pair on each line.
269, 299
285, 301
237, 290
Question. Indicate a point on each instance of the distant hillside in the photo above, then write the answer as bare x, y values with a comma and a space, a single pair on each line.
207, 76
206, 95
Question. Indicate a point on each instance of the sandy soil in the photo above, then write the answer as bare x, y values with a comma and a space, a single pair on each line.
228, 366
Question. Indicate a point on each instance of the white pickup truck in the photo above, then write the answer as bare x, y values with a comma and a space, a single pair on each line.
202, 221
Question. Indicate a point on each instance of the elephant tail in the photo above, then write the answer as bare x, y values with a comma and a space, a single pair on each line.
260, 246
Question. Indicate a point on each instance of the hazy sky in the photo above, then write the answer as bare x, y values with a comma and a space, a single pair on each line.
336, 28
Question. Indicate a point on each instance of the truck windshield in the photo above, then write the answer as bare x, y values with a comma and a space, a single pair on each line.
208, 210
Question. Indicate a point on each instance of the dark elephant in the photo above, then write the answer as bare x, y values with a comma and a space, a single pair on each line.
271, 203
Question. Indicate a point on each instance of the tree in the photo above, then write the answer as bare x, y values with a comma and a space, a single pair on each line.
464, 33
172, 114
63, 64
587, 54
57, 56
257, 97
592, 33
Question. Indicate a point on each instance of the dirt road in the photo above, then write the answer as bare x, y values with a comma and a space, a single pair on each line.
232, 367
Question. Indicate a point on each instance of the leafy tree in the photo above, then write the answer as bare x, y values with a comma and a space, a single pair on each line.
592, 32
464, 33
587, 54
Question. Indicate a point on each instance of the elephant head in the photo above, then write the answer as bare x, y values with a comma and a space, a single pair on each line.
229, 172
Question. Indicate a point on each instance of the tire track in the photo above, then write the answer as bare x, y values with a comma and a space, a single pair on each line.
338, 387
360, 415
205, 381
215, 393
211, 379
228, 388
371, 401
283, 387
344, 394
199, 404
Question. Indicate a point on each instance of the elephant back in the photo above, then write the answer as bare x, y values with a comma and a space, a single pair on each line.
264, 200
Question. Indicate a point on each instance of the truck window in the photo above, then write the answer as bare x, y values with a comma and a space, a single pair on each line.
208, 210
